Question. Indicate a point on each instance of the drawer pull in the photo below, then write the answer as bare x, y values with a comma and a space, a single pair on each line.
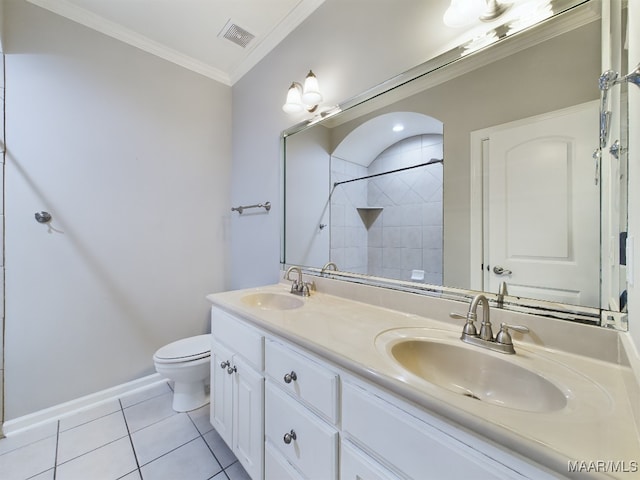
290, 436
231, 369
290, 376
224, 364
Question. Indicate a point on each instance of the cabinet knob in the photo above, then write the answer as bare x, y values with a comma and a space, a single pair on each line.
231, 369
290, 376
290, 436
224, 364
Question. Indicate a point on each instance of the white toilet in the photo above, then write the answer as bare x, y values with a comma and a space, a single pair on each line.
187, 363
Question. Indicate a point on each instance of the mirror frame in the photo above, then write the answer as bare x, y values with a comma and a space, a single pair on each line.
426, 75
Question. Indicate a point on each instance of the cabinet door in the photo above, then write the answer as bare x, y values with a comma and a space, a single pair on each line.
221, 410
248, 417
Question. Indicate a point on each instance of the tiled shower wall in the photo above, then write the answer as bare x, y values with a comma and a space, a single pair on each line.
348, 233
398, 229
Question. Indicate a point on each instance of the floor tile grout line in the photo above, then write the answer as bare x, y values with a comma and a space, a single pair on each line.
126, 424
205, 442
31, 442
84, 423
171, 451
55, 457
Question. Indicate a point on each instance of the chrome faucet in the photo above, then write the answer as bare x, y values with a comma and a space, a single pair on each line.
329, 266
501, 343
298, 286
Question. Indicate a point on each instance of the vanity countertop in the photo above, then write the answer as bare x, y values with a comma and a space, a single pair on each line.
597, 423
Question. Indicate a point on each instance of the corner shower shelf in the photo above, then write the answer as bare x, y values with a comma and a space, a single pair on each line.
369, 215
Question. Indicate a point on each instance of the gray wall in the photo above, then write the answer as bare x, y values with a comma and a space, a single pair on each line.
131, 155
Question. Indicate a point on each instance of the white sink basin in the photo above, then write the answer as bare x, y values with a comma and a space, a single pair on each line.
477, 374
272, 301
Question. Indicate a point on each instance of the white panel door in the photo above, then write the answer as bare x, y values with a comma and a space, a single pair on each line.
543, 206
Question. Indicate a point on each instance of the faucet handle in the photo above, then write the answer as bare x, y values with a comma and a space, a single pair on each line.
469, 328
504, 337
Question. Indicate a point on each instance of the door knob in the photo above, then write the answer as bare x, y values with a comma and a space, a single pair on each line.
498, 270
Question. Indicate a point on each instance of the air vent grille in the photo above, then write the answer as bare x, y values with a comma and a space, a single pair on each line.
236, 34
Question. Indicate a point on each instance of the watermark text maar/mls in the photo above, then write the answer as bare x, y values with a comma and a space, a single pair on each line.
603, 466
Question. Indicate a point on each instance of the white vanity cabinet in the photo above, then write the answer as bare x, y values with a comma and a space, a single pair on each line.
290, 414
237, 389
301, 410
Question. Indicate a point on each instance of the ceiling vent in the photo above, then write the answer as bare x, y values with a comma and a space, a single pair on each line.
236, 34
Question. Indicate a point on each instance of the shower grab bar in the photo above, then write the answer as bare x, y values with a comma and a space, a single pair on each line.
241, 208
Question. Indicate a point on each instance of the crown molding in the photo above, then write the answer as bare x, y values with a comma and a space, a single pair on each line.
91, 20
114, 30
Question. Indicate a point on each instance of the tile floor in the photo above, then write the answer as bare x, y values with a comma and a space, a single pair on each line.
133, 438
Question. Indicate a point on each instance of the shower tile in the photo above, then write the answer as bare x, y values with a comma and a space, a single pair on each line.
90, 436
412, 237
29, 460
193, 461
150, 411
162, 437
338, 237
110, 461
411, 259
432, 214
432, 237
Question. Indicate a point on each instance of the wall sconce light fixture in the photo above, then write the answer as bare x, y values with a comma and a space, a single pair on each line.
303, 97
464, 12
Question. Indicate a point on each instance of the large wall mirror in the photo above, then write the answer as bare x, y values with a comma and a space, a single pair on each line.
475, 172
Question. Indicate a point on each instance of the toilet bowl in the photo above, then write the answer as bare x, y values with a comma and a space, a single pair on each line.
187, 363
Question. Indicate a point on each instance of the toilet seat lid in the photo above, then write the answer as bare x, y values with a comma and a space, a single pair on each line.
190, 348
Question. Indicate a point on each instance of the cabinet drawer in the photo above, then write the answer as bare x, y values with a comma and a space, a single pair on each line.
408, 444
241, 338
306, 379
276, 466
314, 451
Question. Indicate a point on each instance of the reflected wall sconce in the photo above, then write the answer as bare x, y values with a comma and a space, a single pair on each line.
303, 97
465, 12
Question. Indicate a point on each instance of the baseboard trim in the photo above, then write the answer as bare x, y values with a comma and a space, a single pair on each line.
56, 412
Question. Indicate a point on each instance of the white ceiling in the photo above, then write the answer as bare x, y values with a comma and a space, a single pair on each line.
186, 32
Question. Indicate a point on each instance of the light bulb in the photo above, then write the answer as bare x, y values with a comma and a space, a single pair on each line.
311, 92
293, 103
